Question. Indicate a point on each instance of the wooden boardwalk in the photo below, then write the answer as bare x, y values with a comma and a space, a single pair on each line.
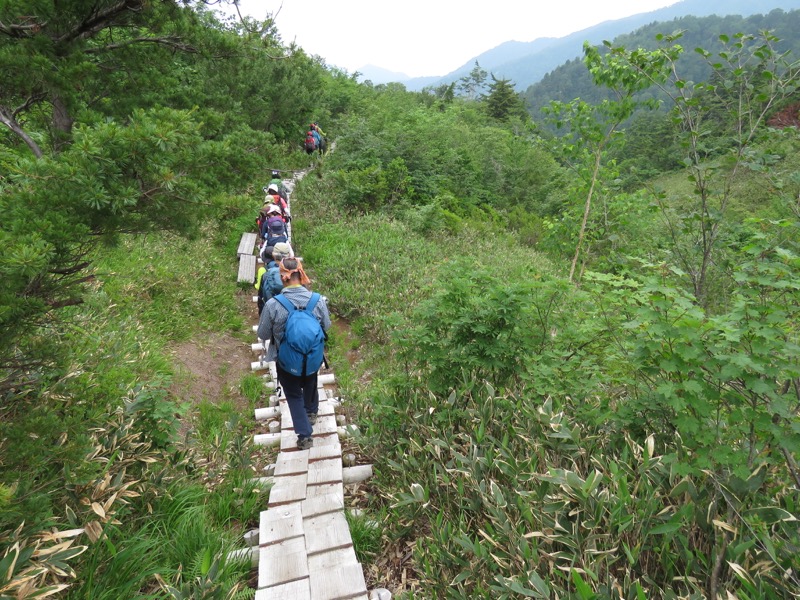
305, 550
247, 260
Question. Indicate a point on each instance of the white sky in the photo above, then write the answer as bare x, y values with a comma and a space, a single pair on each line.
429, 37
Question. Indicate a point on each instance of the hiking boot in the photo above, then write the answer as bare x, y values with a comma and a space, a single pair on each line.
304, 443
312, 418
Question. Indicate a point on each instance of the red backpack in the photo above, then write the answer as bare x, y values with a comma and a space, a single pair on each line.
311, 143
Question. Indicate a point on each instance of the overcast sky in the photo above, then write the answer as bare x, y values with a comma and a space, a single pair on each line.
429, 37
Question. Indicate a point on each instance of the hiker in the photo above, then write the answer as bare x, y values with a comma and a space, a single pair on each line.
310, 143
274, 226
323, 142
268, 279
296, 375
278, 183
315, 134
273, 197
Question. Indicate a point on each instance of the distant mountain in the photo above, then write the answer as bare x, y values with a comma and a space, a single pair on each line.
380, 75
525, 63
571, 79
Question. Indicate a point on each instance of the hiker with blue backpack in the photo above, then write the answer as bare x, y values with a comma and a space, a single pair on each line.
322, 140
295, 323
268, 278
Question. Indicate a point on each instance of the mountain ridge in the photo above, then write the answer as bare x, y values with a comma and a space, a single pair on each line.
525, 63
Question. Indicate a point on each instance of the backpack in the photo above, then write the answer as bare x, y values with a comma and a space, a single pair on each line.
271, 284
281, 189
301, 351
276, 226
311, 143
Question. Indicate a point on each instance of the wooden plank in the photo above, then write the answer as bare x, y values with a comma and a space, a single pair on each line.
289, 441
326, 440
291, 463
247, 244
324, 489
247, 268
338, 584
282, 563
291, 488
325, 425
280, 523
296, 590
332, 559
326, 532
325, 408
324, 451
314, 506
325, 471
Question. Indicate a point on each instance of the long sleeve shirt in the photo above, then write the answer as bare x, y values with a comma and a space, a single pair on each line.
273, 318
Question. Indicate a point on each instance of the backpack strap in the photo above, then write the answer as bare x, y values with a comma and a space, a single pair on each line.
312, 302
284, 301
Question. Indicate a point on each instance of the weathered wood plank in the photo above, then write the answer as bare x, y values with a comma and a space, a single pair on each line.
324, 489
326, 532
332, 559
280, 523
325, 425
291, 463
282, 563
324, 451
247, 244
326, 439
247, 268
314, 506
325, 471
291, 488
346, 582
296, 590
325, 408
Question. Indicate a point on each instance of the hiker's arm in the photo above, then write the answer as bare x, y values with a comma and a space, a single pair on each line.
322, 312
265, 324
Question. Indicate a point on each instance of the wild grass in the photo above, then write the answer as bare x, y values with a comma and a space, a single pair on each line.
107, 399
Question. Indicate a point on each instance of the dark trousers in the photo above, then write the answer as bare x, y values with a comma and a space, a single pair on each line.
302, 396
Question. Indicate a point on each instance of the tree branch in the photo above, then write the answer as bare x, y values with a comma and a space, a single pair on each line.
171, 41
7, 118
20, 30
99, 20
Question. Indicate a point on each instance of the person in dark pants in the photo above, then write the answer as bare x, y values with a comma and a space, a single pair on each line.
301, 392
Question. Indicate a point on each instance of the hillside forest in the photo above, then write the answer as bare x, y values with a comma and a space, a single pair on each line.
567, 328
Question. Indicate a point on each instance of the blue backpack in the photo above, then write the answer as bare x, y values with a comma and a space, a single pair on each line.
301, 351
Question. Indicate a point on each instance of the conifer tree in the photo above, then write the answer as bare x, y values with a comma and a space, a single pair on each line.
503, 102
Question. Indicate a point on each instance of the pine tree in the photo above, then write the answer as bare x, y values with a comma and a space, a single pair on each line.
503, 101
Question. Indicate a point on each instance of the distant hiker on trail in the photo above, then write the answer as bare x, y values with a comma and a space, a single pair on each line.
315, 134
311, 141
297, 345
322, 144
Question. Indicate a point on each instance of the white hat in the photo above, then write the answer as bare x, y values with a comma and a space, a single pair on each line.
272, 188
274, 208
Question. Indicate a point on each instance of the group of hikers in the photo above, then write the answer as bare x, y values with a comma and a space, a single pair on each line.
315, 140
293, 320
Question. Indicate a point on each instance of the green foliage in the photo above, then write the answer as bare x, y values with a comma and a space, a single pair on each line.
473, 85
366, 535
503, 102
400, 154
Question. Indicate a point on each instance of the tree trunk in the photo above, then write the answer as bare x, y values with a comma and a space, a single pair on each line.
62, 124
586, 211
